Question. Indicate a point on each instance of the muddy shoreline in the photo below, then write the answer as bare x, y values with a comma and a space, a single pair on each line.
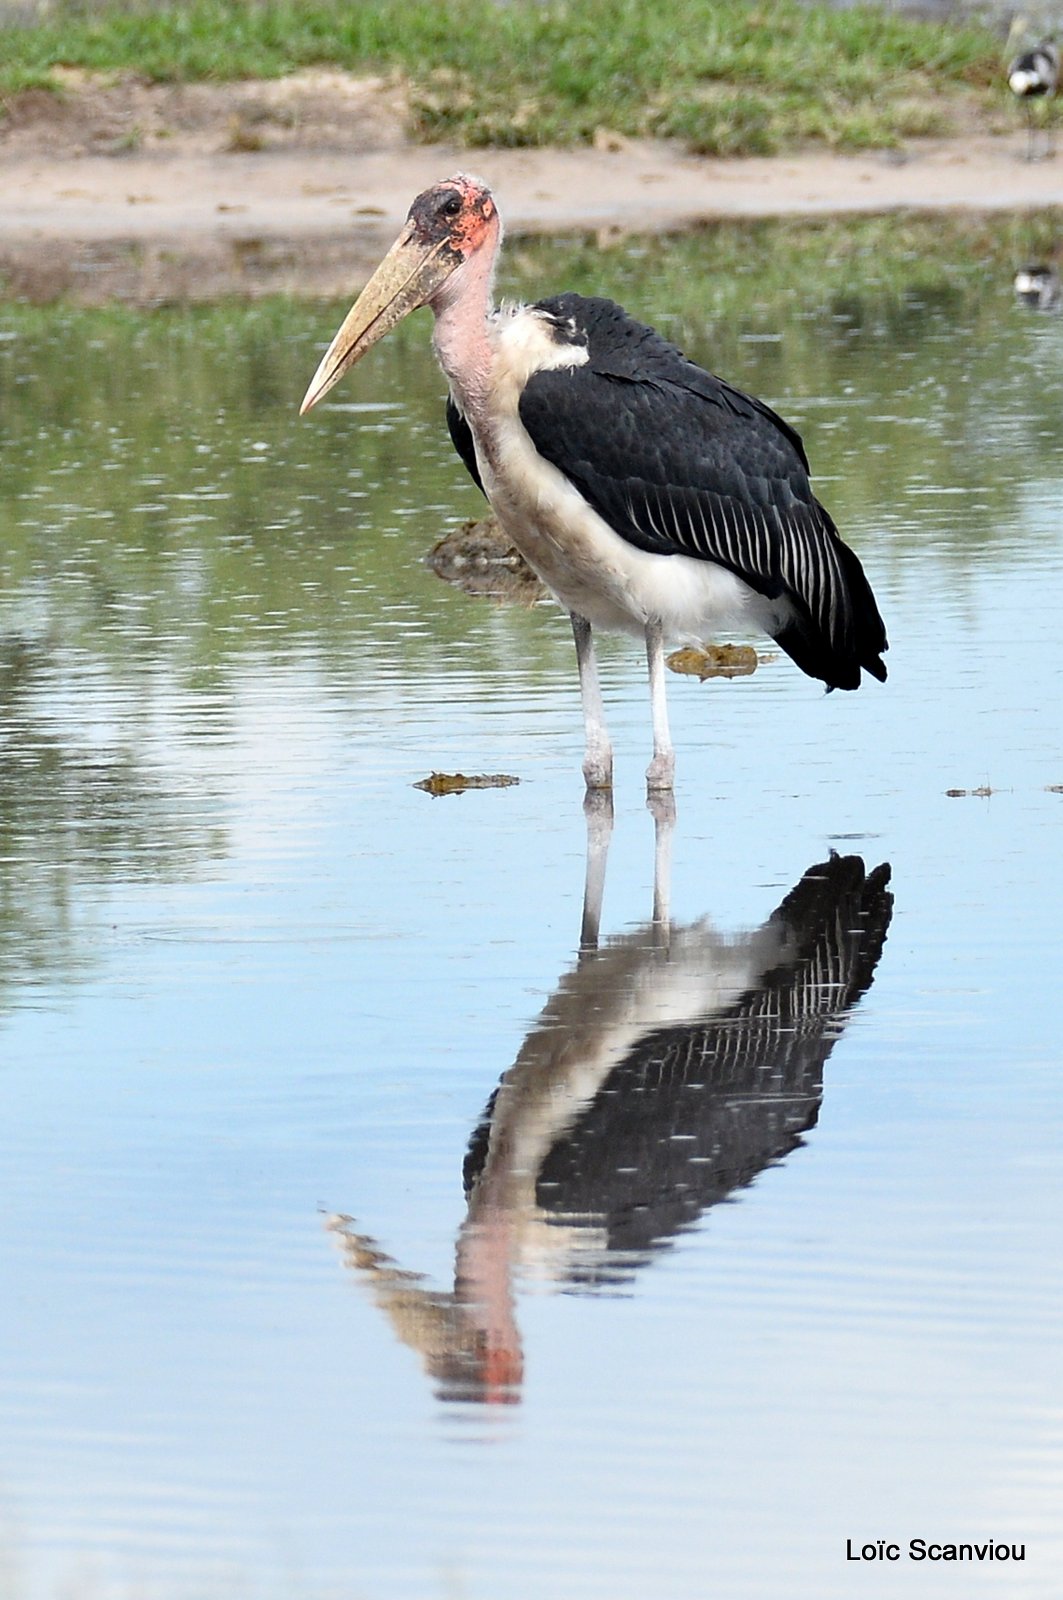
142, 193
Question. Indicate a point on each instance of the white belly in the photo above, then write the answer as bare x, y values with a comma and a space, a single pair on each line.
589, 567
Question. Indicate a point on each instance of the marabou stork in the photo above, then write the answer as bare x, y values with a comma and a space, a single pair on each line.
1034, 75
649, 495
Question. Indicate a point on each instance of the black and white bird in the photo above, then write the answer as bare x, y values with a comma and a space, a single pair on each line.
1033, 75
1038, 286
649, 495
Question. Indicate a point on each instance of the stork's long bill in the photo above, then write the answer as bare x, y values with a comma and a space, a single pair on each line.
444, 226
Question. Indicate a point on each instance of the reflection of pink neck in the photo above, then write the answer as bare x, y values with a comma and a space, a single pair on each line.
461, 309
483, 1285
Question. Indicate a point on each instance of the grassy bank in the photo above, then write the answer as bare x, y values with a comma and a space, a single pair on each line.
725, 76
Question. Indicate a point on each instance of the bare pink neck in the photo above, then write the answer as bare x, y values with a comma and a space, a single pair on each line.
461, 339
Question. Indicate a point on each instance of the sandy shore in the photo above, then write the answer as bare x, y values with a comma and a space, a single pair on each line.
204, 191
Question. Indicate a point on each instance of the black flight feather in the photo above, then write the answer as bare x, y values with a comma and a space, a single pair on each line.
461, 438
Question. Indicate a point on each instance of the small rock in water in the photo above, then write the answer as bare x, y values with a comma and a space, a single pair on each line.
480, 559
458, 782
715, 661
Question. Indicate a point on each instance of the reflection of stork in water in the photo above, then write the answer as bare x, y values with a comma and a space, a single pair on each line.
668, 1069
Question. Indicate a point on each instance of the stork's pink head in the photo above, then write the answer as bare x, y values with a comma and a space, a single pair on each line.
460, 210
445, 226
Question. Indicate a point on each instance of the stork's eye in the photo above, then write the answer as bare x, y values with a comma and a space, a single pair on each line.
451, 207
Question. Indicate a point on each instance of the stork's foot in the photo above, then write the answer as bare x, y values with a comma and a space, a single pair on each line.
598, 769
598, 777
660, 774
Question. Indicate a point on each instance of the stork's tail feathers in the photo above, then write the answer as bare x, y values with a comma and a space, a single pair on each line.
868, 631
853, 640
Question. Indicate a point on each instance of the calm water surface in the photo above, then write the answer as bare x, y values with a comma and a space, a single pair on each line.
757, 1248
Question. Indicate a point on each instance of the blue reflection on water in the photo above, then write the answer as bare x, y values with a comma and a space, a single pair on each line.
255, 979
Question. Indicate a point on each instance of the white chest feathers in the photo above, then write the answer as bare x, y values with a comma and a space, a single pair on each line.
591, 568
527, 341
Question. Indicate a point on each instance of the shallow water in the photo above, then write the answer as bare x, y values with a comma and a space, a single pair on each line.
761, 1250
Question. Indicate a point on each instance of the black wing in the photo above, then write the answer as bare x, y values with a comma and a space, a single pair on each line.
461, 438
678, 462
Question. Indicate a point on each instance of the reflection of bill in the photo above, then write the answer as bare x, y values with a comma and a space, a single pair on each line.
668, 1069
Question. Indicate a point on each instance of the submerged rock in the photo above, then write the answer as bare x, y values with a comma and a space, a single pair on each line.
715, 661
458, 782
480, 559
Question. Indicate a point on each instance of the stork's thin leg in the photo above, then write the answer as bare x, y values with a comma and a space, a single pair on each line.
661, 770
598, 760
598, 810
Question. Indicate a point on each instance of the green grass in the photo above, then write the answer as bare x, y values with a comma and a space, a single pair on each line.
725, 76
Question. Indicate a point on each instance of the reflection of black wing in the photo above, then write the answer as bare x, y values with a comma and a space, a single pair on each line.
697, 1110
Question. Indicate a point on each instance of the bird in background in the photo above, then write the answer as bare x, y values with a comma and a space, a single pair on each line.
650, 496
1033, 76
1038, 286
